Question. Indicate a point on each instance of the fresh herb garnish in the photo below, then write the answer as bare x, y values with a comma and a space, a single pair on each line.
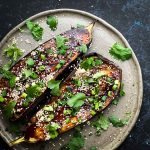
60, 43
42, 68
75, 143
102, 123
61, 63
115, 101
30, 73
76, 100
82, 48
120, 52
7, 66
52, 131
54, 86
116, 122
8, 109
36, 30
2, 99
4, 93
30, 62
9, 76
122, 92
52, 22
13, 52
88, 63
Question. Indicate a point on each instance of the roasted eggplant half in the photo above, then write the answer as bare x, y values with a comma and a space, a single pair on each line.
88, 90
44, 63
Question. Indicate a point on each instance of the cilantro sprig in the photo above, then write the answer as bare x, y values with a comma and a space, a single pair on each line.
36, 30
120, 52
76, 100
75, 143
52, 22
13, 52
90, 62
54, 86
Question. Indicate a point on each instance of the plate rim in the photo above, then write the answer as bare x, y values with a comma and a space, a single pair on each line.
119, 34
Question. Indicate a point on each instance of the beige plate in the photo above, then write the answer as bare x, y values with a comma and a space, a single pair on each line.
104, 35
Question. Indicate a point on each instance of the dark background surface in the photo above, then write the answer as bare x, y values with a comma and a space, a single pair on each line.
130, 17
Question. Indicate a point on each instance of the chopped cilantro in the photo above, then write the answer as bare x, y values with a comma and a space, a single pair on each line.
30, 62
35, 29
52, 131
27, 73
77, 82
122, 92
77, 100
4, 93
67, 112
42, 68
13, 52
8, 109
120, 52
2, 99
104, 98
116, 122
82, 48
54, 86
7, 66
115, 101
75, 143
34, 75
61, 63
60, 43
49, 51
43, 57
90, 62
102, 123
52, 22
9, 76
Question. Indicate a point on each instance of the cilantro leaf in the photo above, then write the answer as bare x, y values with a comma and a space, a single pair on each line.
30, 73
13, 52
7, 66
30, 62
61, 63
8, 109
120, 52
9, 76
60, 41
75, 143
82, 48
115, 101
102, 123
90, 62
1, 99
118, 122
54, 86
52, 22
77, 100
52, 129
36, 30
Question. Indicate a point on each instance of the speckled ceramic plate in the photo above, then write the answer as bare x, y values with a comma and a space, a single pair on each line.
104, 35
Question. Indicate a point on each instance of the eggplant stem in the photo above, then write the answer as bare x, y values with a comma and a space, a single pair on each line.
17, 141
90, 27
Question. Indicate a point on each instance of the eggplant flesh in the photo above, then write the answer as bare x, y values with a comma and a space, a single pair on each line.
100, 84
75, 38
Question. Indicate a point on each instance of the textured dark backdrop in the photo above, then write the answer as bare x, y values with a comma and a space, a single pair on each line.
131, 17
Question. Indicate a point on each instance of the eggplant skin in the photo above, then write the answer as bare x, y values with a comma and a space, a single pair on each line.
37, 129
76, 38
